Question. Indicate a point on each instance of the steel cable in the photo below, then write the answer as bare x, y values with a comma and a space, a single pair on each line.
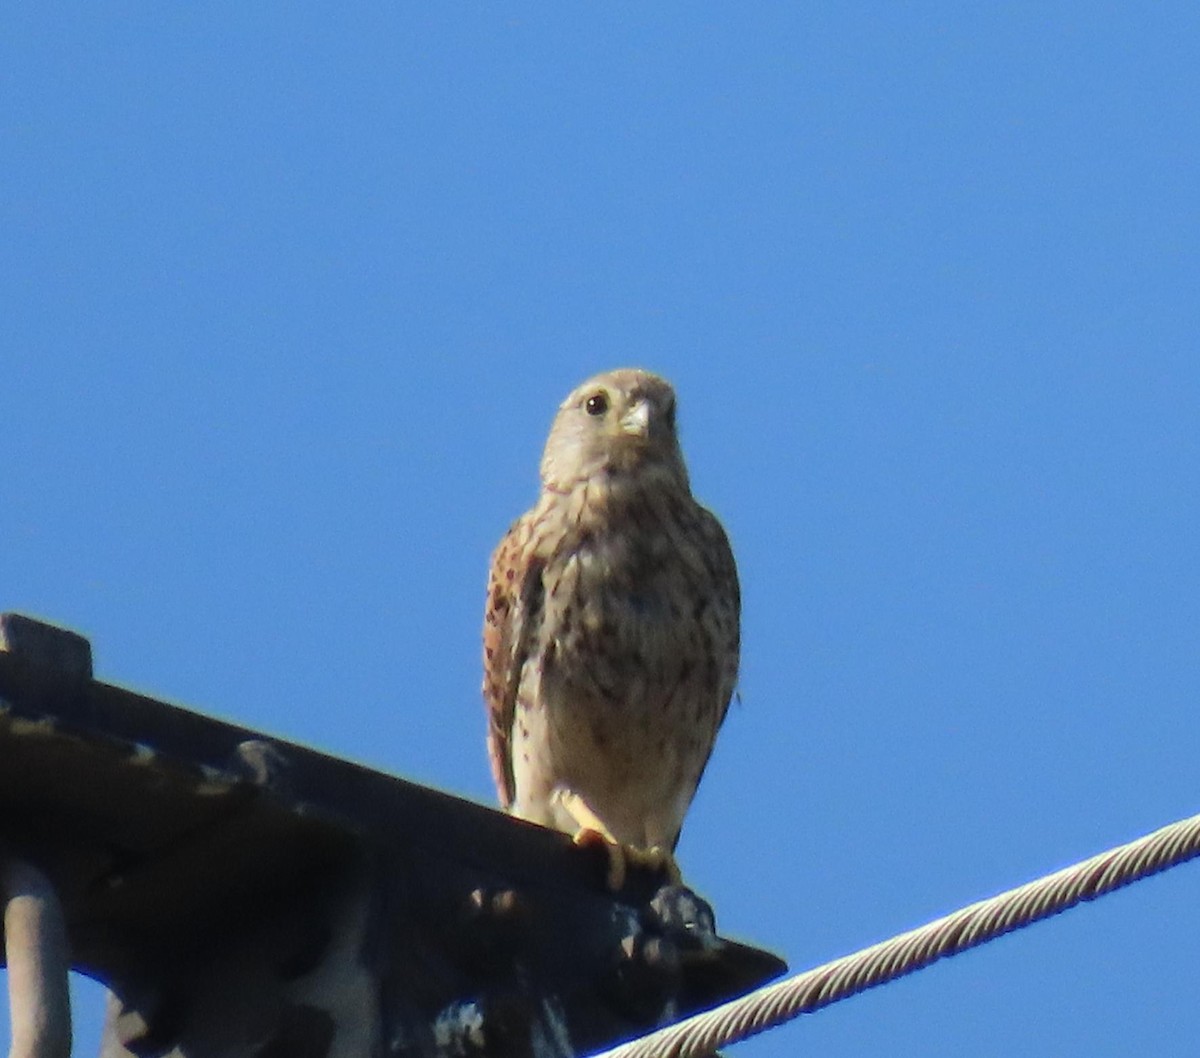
904, 954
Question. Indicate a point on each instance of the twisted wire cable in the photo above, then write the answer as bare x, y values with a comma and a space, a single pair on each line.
908, 952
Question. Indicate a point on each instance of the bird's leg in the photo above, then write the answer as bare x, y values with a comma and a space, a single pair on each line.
593, 832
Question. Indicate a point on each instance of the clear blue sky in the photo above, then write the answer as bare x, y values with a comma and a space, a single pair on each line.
288, 294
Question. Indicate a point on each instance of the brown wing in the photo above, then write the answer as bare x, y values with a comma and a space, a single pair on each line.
723, 621
514, 594
727, 600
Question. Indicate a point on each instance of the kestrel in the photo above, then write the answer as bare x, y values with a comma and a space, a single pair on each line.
611, 629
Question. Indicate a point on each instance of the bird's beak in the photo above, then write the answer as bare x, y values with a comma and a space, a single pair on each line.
637, 419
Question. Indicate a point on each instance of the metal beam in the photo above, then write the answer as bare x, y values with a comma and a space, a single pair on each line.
241, 895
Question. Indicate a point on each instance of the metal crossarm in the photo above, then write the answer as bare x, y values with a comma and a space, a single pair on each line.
241, 895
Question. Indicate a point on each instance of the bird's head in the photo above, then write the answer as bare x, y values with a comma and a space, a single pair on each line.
621, 422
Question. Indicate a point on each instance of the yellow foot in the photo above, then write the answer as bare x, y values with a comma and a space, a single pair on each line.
656, 859
592, 832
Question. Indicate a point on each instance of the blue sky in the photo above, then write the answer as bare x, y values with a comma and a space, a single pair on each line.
289, 295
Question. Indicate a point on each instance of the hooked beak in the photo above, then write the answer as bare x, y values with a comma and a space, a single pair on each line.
637, 420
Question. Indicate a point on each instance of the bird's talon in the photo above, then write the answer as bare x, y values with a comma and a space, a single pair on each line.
659, 860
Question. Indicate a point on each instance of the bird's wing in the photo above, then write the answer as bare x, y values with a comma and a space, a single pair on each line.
513, 601
727, 601
723, 620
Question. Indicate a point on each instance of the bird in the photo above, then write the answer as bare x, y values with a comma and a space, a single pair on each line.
611, 630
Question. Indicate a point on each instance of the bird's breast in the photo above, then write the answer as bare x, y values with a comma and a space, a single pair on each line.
620, 620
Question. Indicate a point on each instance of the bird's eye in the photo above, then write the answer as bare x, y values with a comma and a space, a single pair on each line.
597, 404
